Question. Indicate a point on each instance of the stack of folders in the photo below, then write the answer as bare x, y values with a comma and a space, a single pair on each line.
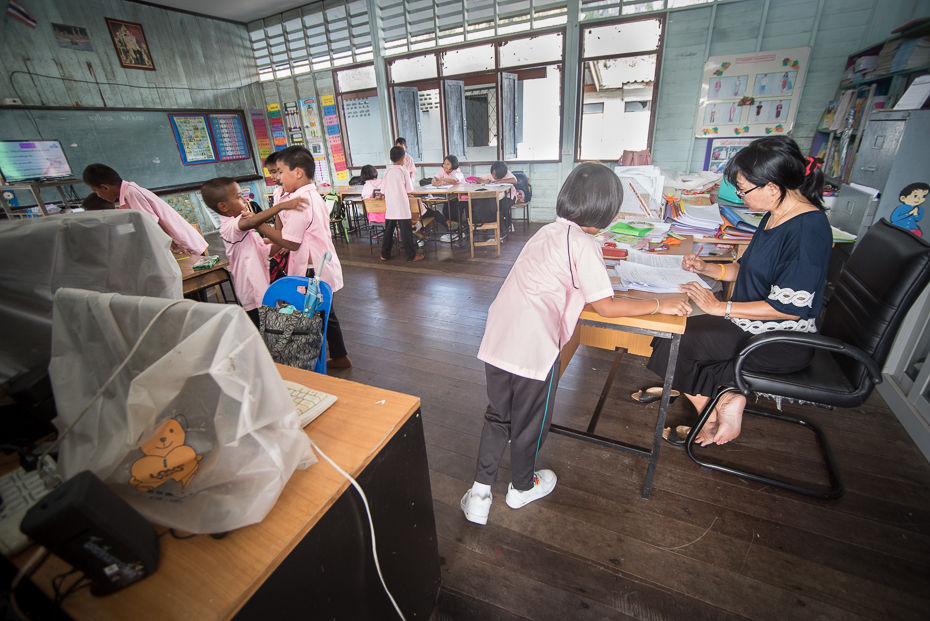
694, 215
739, 223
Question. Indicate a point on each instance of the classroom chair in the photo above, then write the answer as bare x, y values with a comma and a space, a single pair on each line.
427, 224
488, 226
287, 289
375, 229
524, 206
869, 302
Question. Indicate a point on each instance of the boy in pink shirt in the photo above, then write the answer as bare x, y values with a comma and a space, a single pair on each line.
247, 253
396, 186
407, 164
108, 185
560, 269
306, 234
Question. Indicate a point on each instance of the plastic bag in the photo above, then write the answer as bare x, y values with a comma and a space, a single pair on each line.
197, 432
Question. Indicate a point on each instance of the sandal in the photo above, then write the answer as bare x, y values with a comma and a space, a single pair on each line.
680, 435
650, 395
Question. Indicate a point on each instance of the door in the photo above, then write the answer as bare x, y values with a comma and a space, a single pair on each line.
509, 115
407, 107
454, 93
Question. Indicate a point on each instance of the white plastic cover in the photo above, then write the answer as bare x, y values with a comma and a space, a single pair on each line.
197, 432
121, 251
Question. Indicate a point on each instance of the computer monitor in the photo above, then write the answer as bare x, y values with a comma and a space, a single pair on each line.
23, 161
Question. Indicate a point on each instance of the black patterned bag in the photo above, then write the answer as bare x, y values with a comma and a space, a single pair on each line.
293, 340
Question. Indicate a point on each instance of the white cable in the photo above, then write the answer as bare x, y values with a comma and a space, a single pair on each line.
40, 554
135, 347
374, 548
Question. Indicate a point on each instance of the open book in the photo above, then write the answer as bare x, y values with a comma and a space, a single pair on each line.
310, 403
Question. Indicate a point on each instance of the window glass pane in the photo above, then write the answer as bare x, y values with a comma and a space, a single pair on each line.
363, 129
643, 7
481, 122
545, 48
538, 119
468, 60
430, 129
616, 103
639, 36
416, 68
673, 4
357, 79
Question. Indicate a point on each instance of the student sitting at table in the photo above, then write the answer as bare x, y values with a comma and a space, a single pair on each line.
92, 202
408, 164
449, 174
247, 253
306, 234
500, 175
370, 183
108, 185
396, 186
560, 269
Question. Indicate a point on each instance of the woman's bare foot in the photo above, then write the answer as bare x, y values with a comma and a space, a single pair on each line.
730, 418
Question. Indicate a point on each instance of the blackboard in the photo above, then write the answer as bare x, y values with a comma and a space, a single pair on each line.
138, 144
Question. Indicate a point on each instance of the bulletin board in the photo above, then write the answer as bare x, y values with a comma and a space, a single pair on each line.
751, 94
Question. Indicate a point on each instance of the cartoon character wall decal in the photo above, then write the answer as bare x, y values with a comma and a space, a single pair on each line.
910, 211
165, 457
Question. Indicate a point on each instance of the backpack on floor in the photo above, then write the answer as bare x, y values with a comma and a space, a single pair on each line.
524, 189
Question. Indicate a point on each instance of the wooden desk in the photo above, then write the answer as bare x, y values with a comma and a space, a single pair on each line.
456, 190
198, 280
310, 558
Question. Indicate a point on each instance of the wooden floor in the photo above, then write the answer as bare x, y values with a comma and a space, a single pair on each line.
705, 546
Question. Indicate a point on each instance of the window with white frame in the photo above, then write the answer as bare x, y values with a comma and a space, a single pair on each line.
495, 100
359, 104
619, 73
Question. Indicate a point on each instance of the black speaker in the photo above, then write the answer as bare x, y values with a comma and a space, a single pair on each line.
88, 526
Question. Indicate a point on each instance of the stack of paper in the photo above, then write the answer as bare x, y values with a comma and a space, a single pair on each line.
842, 237
696, 216
641, 277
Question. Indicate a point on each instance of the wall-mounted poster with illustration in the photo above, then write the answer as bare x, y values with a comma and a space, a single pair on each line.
720, 150
751, 94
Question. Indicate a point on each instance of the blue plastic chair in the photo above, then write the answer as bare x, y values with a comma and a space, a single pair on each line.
285, 289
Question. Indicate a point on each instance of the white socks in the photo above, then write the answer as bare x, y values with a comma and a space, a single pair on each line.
481, 490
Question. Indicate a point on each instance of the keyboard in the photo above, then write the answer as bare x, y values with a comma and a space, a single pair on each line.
310, 403
20, 490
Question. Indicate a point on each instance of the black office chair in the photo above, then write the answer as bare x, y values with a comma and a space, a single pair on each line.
886, 272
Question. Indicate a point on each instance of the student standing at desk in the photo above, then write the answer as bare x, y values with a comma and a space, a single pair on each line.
559, 271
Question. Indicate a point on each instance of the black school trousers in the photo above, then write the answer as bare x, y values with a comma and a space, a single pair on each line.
406, 238
519, 411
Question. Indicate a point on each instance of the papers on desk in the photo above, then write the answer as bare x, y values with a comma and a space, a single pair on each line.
842, 237
668, 261
441, 187
653, 279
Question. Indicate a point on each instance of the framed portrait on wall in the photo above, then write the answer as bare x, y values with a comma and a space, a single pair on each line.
131, 47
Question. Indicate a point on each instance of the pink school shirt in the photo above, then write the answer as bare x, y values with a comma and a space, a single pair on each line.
131, 196
279, 195
508, 178
248, 262
368, 190
409, 166
395, 186
534, 314
309, 227
455, 173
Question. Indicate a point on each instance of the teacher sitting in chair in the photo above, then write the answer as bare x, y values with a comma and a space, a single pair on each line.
779, 280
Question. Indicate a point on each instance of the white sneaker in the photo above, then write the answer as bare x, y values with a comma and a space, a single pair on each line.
543, 484
446, 239
476, 508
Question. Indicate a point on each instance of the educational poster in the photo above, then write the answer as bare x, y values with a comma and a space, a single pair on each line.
720, 150
193, 137
278, 136
751, 94
292, 120
321, 172
262, 140
331, 121
310, 120
229, 137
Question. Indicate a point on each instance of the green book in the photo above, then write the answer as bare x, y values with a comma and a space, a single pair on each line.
205, 263
638, 229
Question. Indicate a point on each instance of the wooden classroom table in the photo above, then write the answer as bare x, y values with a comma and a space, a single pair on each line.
198, 280
310, 558
622, 335
458, 189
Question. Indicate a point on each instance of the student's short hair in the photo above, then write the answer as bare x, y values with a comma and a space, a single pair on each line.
369, 172
215, 191
97, 175
452, 160
298, 157
92, 202
401, 142
271, 159
591, 196
907, 190
499, 170
397, 154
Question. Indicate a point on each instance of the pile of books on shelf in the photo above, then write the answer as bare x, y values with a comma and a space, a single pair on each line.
911, 54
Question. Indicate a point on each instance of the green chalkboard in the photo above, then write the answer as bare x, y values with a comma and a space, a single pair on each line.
139, 144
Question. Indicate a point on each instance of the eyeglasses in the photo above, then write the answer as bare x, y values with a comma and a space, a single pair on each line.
742, 193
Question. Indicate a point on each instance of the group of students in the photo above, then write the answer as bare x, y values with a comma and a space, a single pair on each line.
397, 185
295, 243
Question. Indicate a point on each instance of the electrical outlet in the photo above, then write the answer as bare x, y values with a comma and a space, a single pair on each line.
12, 101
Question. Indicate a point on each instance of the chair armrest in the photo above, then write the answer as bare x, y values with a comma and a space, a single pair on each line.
817, 341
